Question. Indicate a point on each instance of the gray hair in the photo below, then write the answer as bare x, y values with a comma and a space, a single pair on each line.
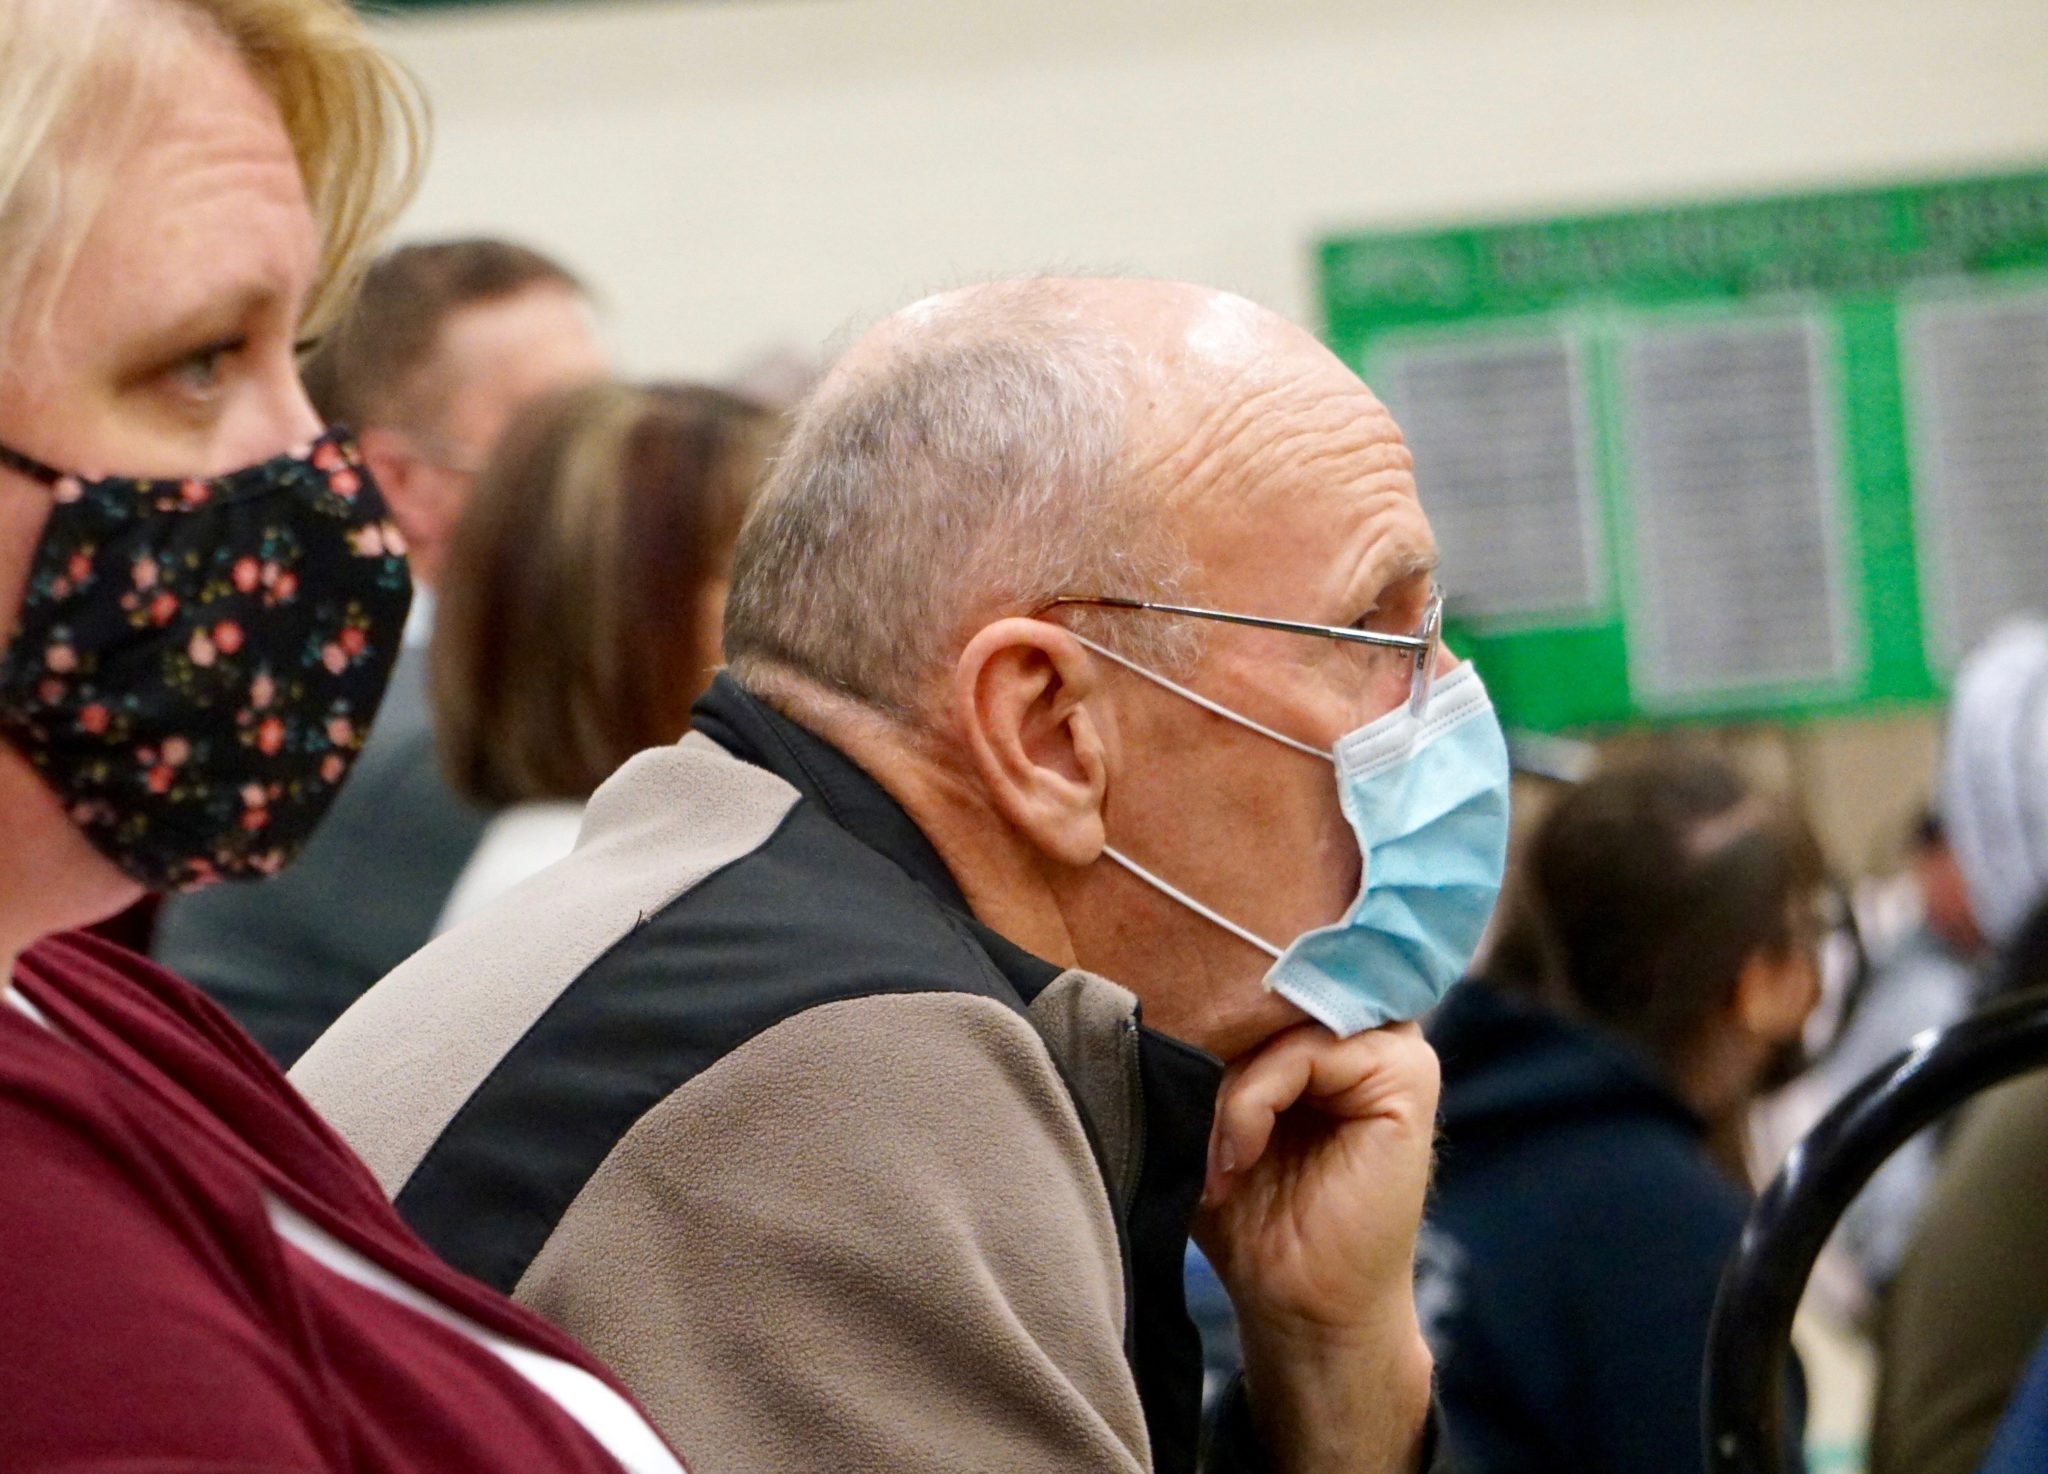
972, 467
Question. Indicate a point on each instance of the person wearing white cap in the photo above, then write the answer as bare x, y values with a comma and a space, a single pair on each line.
1971, 1297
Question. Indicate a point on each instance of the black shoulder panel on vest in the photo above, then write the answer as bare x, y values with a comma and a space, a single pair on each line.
811, 917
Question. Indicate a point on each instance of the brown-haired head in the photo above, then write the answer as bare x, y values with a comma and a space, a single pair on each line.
580, 613
1649, 889
368, 370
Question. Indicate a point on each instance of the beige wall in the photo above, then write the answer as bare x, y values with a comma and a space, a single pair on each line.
1862, 782
739, 173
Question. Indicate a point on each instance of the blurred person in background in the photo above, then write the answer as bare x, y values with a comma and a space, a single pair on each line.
1657, 960
1970, 1298
201, 597
1931, 971
443, 346
581, 614
2020, 1445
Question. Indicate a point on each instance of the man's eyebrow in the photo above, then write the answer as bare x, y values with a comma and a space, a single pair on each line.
1405, 566
1411, 565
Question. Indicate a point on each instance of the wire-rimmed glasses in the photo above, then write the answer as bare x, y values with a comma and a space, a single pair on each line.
1422, 644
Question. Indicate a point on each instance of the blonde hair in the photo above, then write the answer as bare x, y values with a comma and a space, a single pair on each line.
82, 77
574, 619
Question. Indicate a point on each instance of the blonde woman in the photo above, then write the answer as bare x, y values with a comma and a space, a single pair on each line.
200, 596
581, 614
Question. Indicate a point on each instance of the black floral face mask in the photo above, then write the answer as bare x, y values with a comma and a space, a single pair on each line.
196, 663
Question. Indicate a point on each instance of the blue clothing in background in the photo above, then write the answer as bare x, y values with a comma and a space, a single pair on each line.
1210, 1309
2021, 1446
1573, 1248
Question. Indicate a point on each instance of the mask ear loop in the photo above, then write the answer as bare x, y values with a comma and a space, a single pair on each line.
29, 466
1202, 701
1174, 892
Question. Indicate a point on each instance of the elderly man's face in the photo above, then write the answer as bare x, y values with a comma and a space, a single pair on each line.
1296, 498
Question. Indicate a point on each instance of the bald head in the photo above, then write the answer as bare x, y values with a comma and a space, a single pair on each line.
1162, 316
1182, 352
985, 450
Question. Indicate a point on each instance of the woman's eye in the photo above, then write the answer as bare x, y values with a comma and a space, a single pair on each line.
200, 374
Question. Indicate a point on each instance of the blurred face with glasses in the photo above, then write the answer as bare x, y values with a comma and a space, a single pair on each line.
491, 362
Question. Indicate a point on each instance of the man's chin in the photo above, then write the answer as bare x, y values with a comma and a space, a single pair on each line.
1243, 1023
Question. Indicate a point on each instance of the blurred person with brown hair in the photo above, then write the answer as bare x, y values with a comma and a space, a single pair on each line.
446, 343
201, 596
1659, 958
586, 590
443, 346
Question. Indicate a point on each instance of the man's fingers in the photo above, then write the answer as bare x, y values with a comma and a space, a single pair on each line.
1384, 1068
1254, 1093
1391, 1068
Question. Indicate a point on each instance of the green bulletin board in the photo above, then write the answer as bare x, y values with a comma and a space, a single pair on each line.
1778, 457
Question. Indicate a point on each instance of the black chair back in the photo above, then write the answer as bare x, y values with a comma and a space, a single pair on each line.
1751, 1330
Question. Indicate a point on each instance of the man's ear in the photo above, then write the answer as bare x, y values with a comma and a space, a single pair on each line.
1774, 993
420, 495
1020, 699
397, 471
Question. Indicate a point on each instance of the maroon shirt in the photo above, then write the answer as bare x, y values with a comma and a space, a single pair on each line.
151, 1320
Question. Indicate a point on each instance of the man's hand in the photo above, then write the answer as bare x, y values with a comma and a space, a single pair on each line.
1318, 1166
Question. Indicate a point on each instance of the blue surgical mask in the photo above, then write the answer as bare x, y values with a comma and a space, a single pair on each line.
1427, 799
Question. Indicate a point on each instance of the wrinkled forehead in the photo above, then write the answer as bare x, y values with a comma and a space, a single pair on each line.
98, 105
1268, 450
185, 202
1259, 443
1230, 389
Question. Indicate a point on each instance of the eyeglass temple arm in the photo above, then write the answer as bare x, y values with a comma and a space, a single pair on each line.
1255, 621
